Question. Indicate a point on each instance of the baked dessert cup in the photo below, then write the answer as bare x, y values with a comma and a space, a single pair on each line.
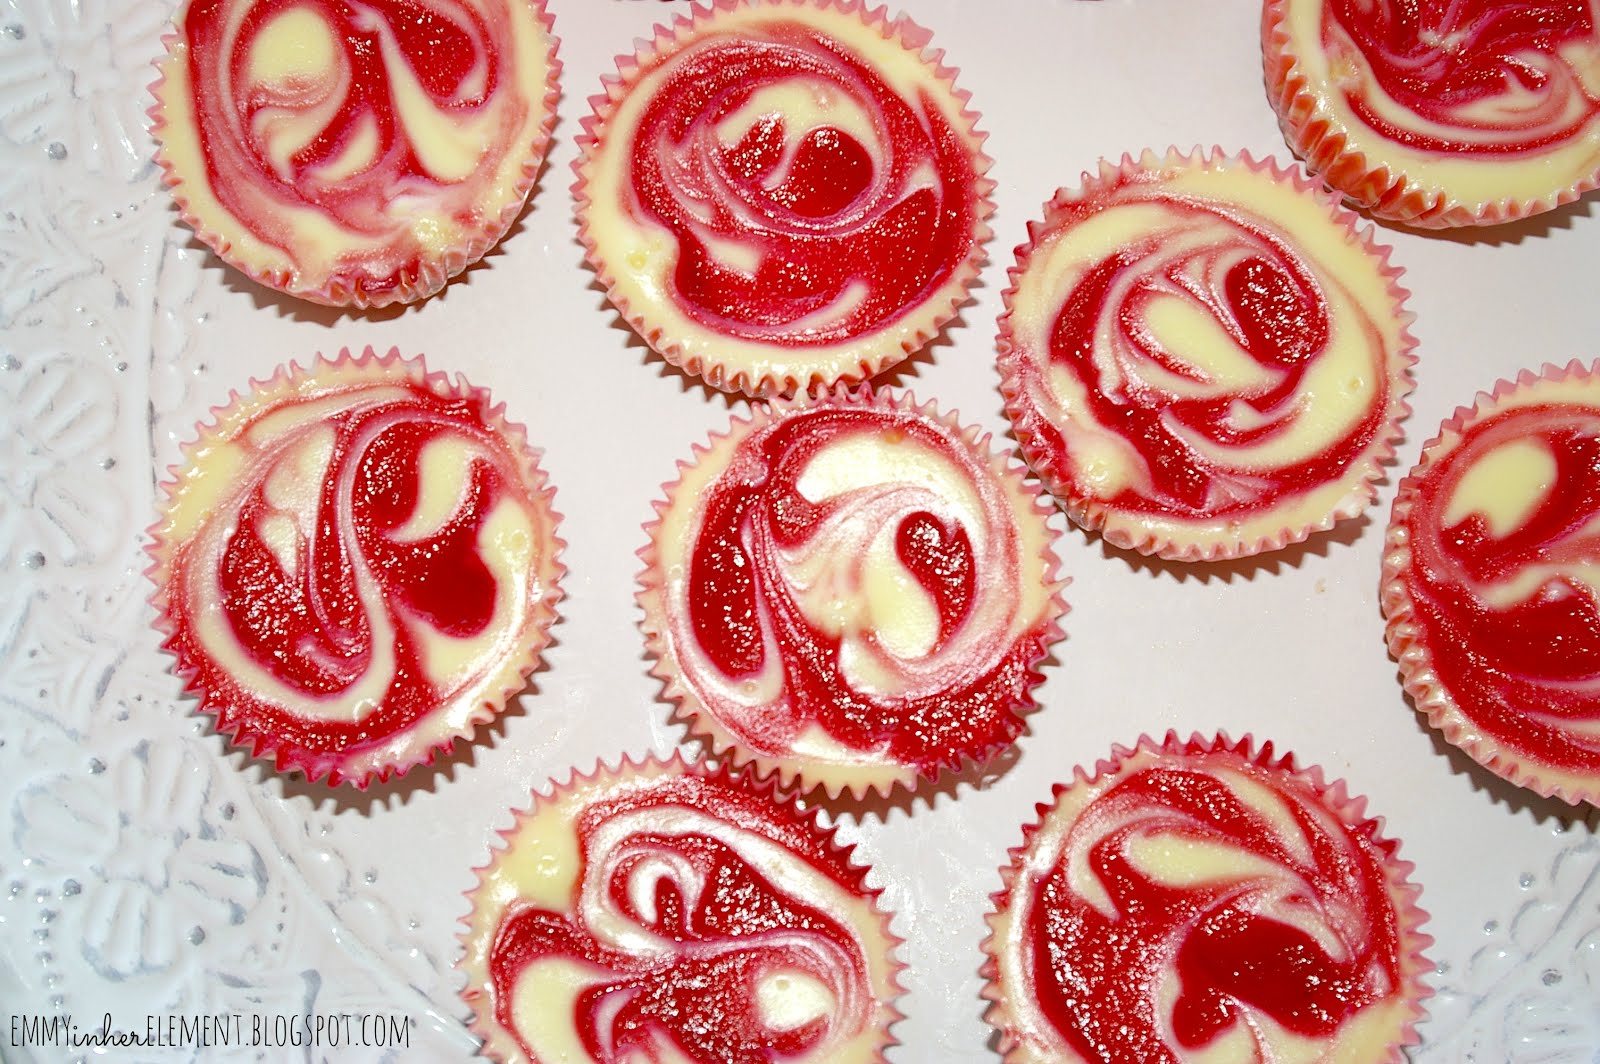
1440, 115
1204, 900
1489, 585
851, 591
354, 156
662, 911
1203, 357
779, 196
355, 566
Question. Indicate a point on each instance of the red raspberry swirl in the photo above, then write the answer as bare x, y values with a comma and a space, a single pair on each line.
1198, 442
701, 912
777, 627
353, 138
373, 556
1471, 76
1203, 357
1193, 895
849, 202
1506, 607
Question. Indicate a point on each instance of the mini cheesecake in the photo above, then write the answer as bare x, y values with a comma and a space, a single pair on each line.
359, 155
1203, 357
851, 590
1440, 115
355, 566
1490, 584
1203, 902
662, 912
779, 196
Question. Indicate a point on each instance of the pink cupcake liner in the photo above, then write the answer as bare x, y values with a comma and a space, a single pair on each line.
229, 532
629, 251
526, 890
1138, 796
716, 710
1493, 706
1068, 446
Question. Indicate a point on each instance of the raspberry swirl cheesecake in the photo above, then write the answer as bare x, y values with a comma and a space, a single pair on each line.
1490, 586
852, 591
779, 195
1202, 356
660, 912
354, 154
1438, 114
1204, 901
356, 566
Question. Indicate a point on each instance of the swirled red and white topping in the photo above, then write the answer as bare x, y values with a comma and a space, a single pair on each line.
778, 194
1202, 358
1199, 902
355, 153
1492, 582
851, 590
356, 566
1441, 113
659, 913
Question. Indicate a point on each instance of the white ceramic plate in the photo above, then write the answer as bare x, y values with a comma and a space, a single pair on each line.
146, 871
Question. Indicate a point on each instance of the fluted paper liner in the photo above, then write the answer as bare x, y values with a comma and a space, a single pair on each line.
1011, 1017
541, 832
1410, 641
1289, 519
752, 366
453, 718
864, 775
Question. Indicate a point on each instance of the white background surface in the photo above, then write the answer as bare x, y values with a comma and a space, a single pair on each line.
148, 871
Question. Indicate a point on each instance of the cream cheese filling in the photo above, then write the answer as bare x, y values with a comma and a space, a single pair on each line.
1474, 181
638, 257
302, 242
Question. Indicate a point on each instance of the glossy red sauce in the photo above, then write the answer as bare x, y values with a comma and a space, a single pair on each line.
1263, 294
1097, 975
308, 626
450, 49
730, 925
850, 236
739, 598
1526, 674
1444, 60
940, 560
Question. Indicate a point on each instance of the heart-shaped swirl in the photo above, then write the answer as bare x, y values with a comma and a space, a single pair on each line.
860, 586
